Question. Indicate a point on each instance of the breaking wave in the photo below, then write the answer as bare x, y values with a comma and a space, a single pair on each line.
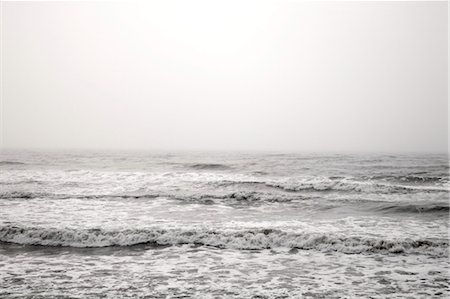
254, 239
337, 185
238, 197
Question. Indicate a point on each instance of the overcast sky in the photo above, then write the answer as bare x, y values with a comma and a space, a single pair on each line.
225, 75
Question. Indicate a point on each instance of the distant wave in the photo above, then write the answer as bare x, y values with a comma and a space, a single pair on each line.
270, 191
414, 208
27, 181
242, 197
253, 198
228, 198
246, 239
260, 173
409, 178
24, 195
11, 163
208, 166
248, 197
31, 195
337, 185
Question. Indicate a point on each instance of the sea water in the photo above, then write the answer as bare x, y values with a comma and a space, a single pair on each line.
223, 225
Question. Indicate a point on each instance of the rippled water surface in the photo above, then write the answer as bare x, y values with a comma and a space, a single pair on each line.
213, 225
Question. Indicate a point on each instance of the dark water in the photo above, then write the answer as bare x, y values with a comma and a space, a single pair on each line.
235, 225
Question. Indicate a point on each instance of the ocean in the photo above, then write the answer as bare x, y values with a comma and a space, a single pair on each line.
223, 225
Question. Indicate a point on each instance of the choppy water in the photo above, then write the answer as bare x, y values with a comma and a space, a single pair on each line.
210, 225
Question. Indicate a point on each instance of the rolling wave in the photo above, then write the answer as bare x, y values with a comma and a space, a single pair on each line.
336, 185
255, 191
253, 239
409, 178
414, 208
22, 182
241, 197
33, 195
249, 197
24, 195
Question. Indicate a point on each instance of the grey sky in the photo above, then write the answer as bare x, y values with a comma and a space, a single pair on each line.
228, 75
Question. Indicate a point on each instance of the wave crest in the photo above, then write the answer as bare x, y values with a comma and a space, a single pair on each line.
245, 239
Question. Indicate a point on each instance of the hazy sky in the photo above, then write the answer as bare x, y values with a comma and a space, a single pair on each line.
225, 75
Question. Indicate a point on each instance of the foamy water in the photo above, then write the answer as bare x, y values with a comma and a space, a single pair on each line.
85, 225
